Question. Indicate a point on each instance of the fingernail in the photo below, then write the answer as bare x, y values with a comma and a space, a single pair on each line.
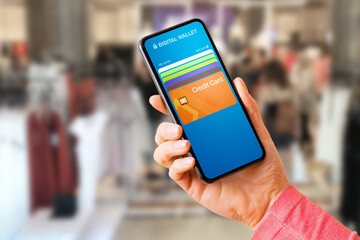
173, 130
181, 144
187, 161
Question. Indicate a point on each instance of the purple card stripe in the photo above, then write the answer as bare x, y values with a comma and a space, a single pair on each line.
193, 79
191, 74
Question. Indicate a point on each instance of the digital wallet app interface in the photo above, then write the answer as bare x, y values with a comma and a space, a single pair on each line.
210, 114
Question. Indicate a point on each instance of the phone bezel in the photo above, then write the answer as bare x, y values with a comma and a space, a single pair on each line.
172, 113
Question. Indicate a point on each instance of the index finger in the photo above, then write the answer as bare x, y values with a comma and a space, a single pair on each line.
168, 132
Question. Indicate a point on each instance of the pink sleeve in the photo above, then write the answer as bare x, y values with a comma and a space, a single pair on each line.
293, 216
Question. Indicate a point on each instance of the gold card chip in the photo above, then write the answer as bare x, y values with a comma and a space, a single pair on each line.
183, 100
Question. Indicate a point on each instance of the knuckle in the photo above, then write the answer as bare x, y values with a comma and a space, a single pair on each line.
171, 173
163, 154
157, 139
254, 108
156, 154
253, 102
162, 126
160, 132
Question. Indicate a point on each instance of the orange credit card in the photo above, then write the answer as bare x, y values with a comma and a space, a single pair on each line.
202, 97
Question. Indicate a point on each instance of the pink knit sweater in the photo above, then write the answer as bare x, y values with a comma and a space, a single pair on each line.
293, 216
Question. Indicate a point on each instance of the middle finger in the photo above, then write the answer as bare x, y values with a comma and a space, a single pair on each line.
166, 152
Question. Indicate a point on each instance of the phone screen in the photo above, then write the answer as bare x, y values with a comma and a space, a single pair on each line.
205, 102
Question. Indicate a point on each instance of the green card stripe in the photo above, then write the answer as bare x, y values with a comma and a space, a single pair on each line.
190, 69
186, 65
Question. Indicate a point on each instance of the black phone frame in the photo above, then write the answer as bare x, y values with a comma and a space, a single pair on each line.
172, 113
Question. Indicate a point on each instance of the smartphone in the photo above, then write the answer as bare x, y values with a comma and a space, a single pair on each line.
201, 97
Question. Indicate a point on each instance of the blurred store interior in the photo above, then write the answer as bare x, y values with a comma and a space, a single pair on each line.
76, 129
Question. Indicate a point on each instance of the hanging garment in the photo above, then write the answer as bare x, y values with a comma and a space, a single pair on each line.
299, 174
14, 173
127, 138
329, 146
51, 169
79, 92
88, 131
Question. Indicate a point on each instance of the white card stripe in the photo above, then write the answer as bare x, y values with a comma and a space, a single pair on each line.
173, 65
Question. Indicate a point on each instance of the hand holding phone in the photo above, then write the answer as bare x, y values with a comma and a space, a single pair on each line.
244, 195
199, 95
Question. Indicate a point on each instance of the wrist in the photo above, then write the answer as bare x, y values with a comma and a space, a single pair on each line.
273, 195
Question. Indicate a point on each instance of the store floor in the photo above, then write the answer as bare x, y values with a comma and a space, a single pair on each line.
208, 227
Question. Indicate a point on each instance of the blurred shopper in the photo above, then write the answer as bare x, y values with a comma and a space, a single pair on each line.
259, 196
107, 66
260, 58
303, 80
259, 62
235, 58
251, 73
322, 67
275, 86
277, 105
289, 59
246, 63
